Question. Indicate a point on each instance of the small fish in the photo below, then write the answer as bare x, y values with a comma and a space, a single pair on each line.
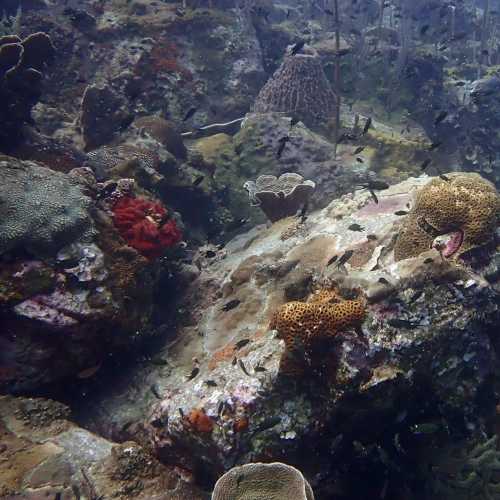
296, 48
434, 146
243, 367
181, 413
358, 150
401, 212
367, 126
220, 408
155, 391
402, 323
233, 362
440, 117
282, 145
356, 227
259, 369
345, 257
415, 296
383, 281
442, 176
198, 180
332, 260
427, 428
211, 383
359, 160
180, 12
241, 343
371, 237
442, 48
425, 163
429, 260
374, 196
189, 114
377, 185
342, 52
302, 214
230, 305
423, 29
89, 372
460, 84
194, 373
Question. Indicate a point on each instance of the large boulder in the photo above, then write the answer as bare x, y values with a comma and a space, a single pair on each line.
268, 369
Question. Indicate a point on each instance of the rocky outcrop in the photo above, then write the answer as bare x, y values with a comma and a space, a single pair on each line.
225, 397
50, 457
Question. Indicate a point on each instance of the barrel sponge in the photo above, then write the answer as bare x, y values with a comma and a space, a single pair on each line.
40, 210
274, 481
465, 202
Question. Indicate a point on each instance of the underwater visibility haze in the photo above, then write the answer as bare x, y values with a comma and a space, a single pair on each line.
249, 249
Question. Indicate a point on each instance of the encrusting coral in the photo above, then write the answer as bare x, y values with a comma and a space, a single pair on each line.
303, 324
465, 207
21, 65
143, 225
273, 481
299, 87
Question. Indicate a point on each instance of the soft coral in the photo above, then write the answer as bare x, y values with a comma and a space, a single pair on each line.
142, 224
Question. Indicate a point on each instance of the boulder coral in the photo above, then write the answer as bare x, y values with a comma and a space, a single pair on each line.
464, 207
273, 481
302, 325
142, 224
40, 210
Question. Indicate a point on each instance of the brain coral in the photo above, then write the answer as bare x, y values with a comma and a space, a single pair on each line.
274, 481
302, 324
40, 210
466, 206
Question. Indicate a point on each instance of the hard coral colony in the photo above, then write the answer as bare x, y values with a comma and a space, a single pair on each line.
142, 224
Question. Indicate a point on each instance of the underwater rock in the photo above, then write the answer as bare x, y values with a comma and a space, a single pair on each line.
21, 65
280, 197
50, 457
299, 88
271, 481
40, 210
421, 334
103, 114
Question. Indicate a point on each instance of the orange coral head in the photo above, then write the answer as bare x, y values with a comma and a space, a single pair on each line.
322, 317
200, 421
141, 224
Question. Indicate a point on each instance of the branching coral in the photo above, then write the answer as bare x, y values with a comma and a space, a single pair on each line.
143, 225
21, 63
303, 324
466, 207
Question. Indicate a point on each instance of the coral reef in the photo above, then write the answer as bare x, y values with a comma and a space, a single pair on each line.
303, 325
465, 470
280, 197
21, 65
299, 87
40, 210
274, 481
463, 206
142, 223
